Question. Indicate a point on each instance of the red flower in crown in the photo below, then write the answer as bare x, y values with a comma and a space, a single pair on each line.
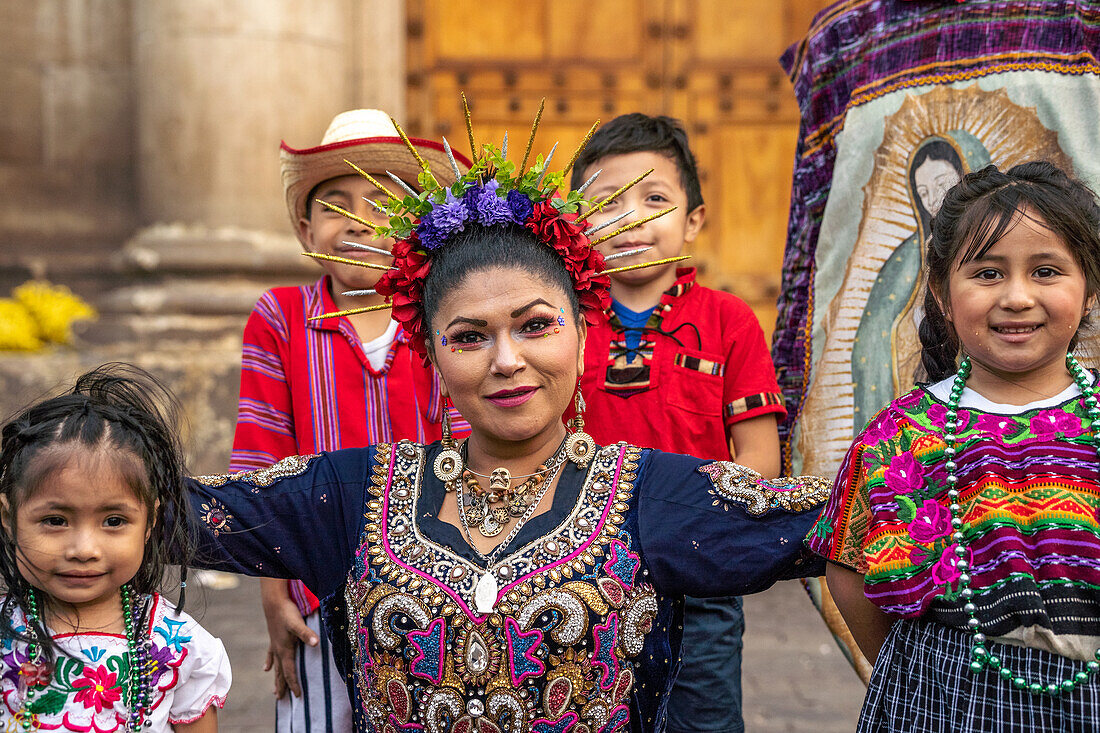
405, 286
582, 261
405, 283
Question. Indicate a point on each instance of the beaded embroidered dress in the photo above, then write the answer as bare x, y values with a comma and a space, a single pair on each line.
87, 688
584, 632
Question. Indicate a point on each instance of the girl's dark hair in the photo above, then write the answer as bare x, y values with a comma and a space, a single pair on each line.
119, 409
976, 213
637, 133
478, 248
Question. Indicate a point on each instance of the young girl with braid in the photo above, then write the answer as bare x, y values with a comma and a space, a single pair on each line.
91, 483
962, 531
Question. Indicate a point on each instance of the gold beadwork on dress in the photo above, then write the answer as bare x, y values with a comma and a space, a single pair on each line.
553, 644
289, 466
734, 483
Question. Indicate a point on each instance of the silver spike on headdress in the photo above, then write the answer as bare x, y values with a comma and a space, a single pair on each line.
589, 182
401, 183
546, 165
375, 292
593, 229
504, 147
368, 248
620, 255
451, 157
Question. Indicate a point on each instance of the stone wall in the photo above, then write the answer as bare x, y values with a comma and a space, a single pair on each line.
139, 166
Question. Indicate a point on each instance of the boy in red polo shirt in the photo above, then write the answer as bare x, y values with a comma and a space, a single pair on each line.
310, 386
679, 367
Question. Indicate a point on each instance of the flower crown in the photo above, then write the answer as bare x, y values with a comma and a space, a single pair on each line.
493, 192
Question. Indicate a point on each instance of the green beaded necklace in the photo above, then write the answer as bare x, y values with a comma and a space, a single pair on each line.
980, 656
138, 687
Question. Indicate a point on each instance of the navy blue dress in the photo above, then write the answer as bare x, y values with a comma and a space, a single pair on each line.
575, 627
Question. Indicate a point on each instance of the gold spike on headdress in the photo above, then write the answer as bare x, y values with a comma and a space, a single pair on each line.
350, 312
644, 265
576, 153
415, 153
371, 178
346, 261
531, 139
348, 214
633, 224
469, 128
612, 197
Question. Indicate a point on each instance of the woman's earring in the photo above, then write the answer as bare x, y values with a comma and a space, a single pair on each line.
579, 446
448, 464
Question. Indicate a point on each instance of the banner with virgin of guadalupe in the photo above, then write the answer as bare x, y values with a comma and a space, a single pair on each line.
899, 99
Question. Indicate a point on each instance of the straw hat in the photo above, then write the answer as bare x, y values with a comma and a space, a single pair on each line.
367, 138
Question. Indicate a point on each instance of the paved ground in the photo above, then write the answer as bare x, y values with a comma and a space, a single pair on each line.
795, 679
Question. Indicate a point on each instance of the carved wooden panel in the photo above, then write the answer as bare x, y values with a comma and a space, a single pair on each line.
711, 63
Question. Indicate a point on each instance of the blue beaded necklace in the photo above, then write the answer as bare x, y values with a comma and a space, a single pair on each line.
980, 658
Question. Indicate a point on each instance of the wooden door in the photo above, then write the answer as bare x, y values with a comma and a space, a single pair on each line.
711, 63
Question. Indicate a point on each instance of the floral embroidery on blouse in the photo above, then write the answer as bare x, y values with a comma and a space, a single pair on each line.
892, 453
96, 686
289, 466
734, 483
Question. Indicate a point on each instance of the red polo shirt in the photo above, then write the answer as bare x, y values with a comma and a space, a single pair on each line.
702, 365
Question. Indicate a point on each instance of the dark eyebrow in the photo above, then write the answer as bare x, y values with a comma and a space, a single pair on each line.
329, 193
472, 321
533, 303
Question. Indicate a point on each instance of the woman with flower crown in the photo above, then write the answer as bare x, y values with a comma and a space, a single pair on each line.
523, 579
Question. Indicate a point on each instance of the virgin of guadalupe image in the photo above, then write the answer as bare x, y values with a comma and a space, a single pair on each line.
893, 311
866, 351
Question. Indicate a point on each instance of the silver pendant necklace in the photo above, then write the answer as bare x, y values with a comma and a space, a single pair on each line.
487, 588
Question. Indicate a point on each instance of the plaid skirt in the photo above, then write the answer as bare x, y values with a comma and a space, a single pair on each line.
922, 683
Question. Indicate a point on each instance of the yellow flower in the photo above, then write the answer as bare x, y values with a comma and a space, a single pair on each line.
53, 308
18, 331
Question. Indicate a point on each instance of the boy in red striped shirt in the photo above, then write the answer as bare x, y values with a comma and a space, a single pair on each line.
310, 386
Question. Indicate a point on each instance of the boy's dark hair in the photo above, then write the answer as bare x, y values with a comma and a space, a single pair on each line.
120, 409
976, 213
478, 248
638, 133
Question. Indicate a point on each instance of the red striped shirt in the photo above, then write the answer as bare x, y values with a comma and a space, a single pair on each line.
307, 387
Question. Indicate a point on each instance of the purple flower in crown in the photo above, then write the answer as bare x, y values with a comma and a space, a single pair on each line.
931, 521
486, 207
520, 205
945, 571
881, 429
1048, 423
429, 236
450, 216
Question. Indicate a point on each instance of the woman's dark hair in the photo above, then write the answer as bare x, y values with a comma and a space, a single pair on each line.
976, 213
116, 410
638, 133
479, 248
